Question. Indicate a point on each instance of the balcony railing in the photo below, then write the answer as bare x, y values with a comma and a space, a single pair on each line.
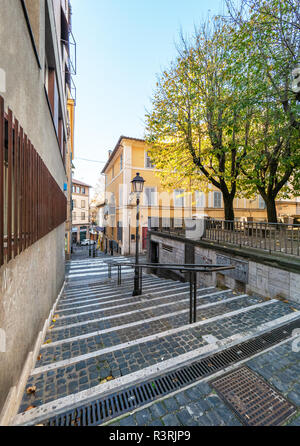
271, 237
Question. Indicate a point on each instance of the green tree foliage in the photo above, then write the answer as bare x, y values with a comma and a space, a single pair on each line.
225, 114
200, 122
270, 34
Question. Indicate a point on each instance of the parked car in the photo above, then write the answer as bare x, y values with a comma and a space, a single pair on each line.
87, 241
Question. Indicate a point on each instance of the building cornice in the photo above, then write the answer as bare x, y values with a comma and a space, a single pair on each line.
114, 152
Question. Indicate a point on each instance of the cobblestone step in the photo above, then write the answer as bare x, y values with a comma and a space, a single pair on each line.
119, 316
127, 287
76, 347
118, 292
121, 300
86, 373
104, 336
75, 399
124, 297
101, 302
174, 302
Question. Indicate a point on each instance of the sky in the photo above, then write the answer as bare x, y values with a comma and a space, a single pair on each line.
122, 45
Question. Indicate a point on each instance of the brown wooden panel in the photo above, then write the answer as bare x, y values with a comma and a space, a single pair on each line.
21, 189
34, 201
16, 186
9, 186
1, 181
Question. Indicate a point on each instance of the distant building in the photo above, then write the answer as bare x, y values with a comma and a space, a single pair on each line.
131, 155
80, 210
69, 170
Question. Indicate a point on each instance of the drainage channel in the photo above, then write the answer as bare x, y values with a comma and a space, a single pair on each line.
120, 402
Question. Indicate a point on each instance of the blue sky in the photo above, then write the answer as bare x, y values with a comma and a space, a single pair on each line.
121, 47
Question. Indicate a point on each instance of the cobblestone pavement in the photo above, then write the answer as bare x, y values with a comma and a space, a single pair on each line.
104, 340
87, 342
201, 406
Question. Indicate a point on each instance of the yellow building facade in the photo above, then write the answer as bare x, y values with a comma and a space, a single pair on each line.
157, 205
69, 169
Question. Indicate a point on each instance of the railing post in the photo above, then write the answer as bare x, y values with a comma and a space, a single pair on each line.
191, 298
141, 280
195, 296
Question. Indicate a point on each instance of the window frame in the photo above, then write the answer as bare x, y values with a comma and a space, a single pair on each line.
199, 198
153, 195
217, 193
148, 160
180, 192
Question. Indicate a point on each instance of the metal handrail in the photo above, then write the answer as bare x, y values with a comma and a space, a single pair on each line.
272, 237
192, 269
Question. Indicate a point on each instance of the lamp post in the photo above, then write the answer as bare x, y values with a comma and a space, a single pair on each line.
137, 188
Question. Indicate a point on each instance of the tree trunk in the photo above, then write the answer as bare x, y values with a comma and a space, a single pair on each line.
228, 207
271, 209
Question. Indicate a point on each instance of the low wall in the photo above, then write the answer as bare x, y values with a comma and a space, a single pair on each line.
256, 271
29, 286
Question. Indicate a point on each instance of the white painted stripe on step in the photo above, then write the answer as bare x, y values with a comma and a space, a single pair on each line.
120, 300
113, 289
66, 308
117, 291
55, 407
149, 301
114, 316
116, 328
93, 265
215, 375
146, 279
97, 268
74, 360
108, 287
98, 273
125, 294
113, 293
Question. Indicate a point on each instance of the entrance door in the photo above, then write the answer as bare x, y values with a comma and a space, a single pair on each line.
144, 238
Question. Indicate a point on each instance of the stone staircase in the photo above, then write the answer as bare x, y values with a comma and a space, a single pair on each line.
102, 339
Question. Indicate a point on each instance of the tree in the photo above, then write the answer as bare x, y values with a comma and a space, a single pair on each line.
201, 117
270, 35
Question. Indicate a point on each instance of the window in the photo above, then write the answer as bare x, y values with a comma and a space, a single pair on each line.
217, 200
73, 189
82, 215
74, 203
74, 216
261, 202
119, 231
83, 190
121, 161
200, 199
82, 204
148, 163
150, 196
121, 195
179, 198
78, 190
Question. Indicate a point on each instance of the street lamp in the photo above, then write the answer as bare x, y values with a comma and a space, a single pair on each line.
137, 188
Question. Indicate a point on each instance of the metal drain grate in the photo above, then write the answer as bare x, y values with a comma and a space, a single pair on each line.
114, 405
254, 401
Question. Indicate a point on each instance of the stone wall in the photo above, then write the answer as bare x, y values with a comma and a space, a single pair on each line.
254, 272
29, 284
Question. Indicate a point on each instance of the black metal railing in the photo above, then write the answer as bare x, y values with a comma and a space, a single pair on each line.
271, 237
191, 269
